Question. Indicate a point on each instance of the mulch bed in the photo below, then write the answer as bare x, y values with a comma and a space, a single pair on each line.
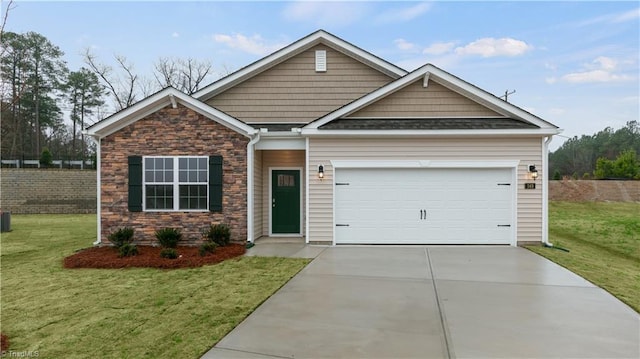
149, 257
4, 343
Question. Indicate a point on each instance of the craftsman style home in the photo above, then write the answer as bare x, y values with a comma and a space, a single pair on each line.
327, 142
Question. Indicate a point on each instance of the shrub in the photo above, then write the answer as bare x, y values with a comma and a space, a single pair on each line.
121, 237
556, 175
207, 247
219, 234
169, 253
128, 250
169, 237
46, 159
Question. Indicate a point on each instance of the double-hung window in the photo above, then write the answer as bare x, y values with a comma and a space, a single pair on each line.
176, 183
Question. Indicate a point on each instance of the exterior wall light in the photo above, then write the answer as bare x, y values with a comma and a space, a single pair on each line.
321, 171
533, 172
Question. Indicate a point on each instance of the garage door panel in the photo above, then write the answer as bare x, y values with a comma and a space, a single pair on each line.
423, 206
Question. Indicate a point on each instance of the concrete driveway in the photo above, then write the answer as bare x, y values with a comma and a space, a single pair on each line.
435, 302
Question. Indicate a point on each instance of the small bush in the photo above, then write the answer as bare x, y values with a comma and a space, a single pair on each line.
207, 247
121, 237
219, 234
169, 237
169, 253
128, 250
46, 159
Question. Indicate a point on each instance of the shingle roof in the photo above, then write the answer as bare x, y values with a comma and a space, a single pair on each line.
427, 124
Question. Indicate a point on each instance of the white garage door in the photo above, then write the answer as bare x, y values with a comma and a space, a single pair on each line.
424, 206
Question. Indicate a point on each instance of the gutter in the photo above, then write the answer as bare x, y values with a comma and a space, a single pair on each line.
250, 192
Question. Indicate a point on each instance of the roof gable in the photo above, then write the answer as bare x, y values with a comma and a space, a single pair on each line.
318, 37
430, 73
157, 101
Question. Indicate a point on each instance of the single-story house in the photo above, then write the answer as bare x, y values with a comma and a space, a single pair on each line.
327, 142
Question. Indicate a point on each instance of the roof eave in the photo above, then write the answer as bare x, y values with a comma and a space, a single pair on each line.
292, 50
450, 81
542, 132
166, 97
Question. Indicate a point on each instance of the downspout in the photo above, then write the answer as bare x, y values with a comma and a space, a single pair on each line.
97, 141
250, 168
545, 191
306, 201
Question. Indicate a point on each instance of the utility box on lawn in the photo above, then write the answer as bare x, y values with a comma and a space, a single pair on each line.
5, 221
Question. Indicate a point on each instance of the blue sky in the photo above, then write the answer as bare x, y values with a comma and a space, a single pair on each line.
575, 64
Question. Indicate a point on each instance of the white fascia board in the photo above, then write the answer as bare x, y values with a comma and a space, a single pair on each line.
430, 133
466, 89
456, 84
158, 101
290, 51
424, 164
138, 110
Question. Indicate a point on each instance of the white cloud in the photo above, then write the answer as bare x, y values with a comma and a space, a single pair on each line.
627, 16
606, 63
439, 48
490, 47
594, 76
323, 13
404, 45
404, 14
175, 35
551, 80
255, 44
600, 70
611, 18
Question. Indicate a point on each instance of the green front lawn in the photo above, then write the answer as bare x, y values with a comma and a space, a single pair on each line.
122, 313
604, 244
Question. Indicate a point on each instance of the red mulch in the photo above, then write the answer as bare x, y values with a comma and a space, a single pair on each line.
149, 257
4, 343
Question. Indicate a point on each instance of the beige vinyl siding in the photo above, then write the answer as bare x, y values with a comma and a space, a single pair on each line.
277, 159
416, 101
526, 150
258, 195
293, 91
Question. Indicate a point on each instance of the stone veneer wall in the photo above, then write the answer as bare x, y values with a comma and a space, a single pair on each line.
174, 132
41, 191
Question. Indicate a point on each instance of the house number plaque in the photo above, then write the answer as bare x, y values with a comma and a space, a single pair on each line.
529, 186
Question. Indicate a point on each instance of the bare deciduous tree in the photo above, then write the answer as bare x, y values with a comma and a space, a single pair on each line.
186, 75
123, 84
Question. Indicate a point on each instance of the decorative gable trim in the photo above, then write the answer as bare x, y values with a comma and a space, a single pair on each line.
318, 37
159, 100
431, 72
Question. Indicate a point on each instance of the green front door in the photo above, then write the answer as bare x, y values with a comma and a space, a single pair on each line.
285, 201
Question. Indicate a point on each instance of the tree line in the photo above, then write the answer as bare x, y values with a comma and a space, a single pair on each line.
607, 154
38, 91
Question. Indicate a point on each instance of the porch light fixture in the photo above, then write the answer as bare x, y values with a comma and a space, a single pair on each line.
533, 172
321, 171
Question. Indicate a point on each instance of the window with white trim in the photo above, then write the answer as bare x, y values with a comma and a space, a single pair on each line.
176, 183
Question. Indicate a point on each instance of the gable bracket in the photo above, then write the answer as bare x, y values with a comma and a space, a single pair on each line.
425, 81
174, 103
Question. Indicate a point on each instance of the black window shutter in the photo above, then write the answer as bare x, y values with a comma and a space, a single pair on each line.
135, 184
215, 183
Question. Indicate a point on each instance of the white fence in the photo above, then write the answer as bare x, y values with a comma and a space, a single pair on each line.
88, 164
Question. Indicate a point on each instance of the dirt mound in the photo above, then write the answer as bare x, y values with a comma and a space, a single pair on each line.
597, 191
149, 257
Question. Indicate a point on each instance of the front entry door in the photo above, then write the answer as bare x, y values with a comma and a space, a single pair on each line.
285, 201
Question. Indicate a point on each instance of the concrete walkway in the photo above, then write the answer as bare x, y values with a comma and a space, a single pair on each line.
435, 302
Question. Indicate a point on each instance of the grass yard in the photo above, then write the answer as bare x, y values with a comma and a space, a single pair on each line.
122, 313
604, 244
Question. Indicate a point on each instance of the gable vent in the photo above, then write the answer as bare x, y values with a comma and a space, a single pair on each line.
321, 61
